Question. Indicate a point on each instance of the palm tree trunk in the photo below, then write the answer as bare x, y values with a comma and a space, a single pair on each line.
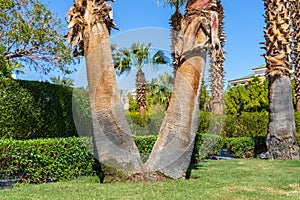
141, 90
113, 142
281, 140
172, 151
112, 135
217, 62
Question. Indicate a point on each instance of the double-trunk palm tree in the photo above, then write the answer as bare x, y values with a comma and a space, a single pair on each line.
281, 141
89, 22
296, 41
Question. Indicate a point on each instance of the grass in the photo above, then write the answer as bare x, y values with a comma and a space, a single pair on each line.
224, 179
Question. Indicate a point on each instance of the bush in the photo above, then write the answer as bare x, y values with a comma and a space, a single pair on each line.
44, 160
246, 125
31, 109
241, 147
143, 125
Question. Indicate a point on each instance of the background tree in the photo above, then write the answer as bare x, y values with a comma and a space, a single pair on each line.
251, 97
138, 55
160, 90
31, 36
205, 98
217, 59
62, 81
281, 141
175, 23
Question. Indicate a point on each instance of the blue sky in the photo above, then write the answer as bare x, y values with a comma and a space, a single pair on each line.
243, 25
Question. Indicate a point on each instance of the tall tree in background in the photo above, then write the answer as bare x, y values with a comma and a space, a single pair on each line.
31, 36
90, 22
281, 140
296, 52
172, 151
175, 23
217, 61
138, 55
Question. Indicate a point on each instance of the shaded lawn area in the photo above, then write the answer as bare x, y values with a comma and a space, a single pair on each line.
224, 179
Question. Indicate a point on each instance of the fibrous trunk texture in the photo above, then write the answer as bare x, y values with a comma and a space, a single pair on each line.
296, 51
281, 140
217, 60
141, 91
113, 144
172, 152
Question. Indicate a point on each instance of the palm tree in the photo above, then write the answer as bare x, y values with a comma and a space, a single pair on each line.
175, 23
172, 151
138, 55
217, 63
281, 141
296, 58
90, 22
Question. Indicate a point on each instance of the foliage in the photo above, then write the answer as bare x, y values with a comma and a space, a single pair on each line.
62, 81
251, 97
145, 125
246, 125
32, 109
31, 36
205, 98
44, 160
160, 90
241, 147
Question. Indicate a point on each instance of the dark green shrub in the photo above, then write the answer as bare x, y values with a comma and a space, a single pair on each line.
241, 147
145, 145
246, 125
31, 109
145, 125
206, 145
44, 160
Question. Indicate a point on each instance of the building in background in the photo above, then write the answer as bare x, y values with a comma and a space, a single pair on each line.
258, 71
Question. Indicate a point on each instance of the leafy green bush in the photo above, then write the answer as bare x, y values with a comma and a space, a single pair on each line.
42, 160
241, 147
246, 125
31, 109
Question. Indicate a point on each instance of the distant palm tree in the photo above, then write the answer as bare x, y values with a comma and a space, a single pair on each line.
217, 59
138, 55
296, 58
281, 140
175, 23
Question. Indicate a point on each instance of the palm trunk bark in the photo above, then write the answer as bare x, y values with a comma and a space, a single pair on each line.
172, 151
217, 61
141, 90
112, 135
89, 25
281, 140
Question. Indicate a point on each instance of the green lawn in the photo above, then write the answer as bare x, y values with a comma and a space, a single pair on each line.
225, 179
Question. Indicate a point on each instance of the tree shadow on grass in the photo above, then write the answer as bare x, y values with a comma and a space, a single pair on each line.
192, 167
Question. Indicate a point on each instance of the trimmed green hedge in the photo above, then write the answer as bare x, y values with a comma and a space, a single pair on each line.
31, 109
44, 160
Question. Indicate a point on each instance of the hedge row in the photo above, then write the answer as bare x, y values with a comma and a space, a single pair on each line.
31, 109
43, 160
